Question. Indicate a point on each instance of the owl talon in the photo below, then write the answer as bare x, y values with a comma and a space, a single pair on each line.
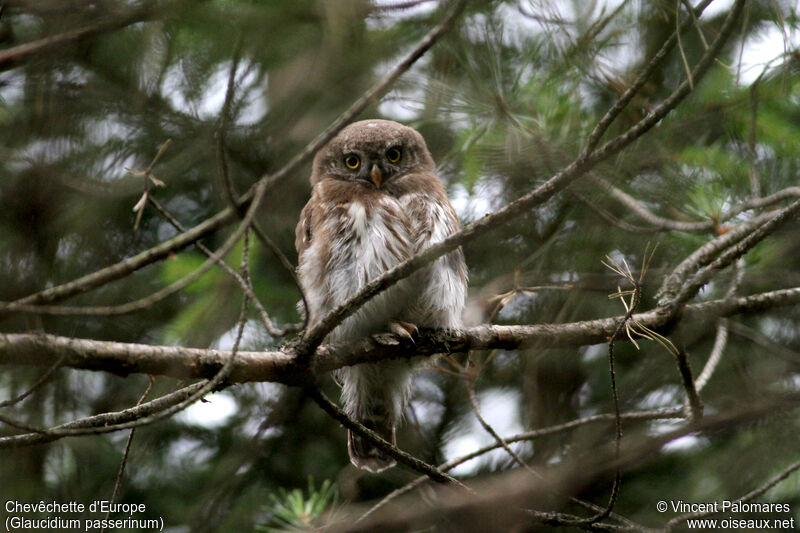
402, 329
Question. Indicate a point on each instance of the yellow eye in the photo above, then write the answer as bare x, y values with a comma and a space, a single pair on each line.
352, 161
393, 155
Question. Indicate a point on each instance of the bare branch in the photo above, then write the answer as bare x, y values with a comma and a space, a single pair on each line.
762, 340
659, 223
721, 338
243, 284
127, 450
704, 255
673, 413
33, 388
734, 252
362, 431
281, 366
630, 92
90, 424
157, 296
635, 206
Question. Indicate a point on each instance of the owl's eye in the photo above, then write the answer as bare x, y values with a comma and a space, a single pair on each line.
352, 161
393, 155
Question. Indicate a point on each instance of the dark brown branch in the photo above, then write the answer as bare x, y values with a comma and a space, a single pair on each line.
695, 404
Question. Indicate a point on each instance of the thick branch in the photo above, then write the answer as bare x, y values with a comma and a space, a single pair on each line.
281, 366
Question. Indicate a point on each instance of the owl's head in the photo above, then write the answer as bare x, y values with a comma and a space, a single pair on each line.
372, 153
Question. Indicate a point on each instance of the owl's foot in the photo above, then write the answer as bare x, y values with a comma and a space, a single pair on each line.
402, 329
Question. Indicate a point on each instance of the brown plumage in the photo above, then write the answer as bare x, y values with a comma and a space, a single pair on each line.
376, 200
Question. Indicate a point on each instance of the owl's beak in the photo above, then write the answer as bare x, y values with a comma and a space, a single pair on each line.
376, 176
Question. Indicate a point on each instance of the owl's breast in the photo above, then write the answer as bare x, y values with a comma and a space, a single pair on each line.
368, 238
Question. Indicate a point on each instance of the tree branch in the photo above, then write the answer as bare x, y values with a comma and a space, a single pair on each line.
281, 366
14, 56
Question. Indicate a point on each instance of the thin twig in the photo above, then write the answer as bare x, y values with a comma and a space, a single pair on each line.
39, 382
246, 287
721, 338
126, 452
87, 426
231, 197
786, 472
720, 342
623, 101
471, 374
680, 44
676, 412
760, 339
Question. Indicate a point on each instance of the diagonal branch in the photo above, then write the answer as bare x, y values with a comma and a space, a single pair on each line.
12, 57
226, 216
152, 299
361, 430
705, 274
583, 163
89, 425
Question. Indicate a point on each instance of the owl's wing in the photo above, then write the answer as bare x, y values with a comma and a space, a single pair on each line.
302, 233
443, 296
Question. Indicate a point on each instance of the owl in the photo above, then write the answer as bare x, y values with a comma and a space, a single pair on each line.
376, 200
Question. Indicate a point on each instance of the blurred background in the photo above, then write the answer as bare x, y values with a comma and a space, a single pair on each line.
505, 100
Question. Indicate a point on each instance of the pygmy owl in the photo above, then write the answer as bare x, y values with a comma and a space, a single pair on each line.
376, 200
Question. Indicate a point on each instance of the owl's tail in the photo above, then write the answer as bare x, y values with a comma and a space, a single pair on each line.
374, 394
366, 455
